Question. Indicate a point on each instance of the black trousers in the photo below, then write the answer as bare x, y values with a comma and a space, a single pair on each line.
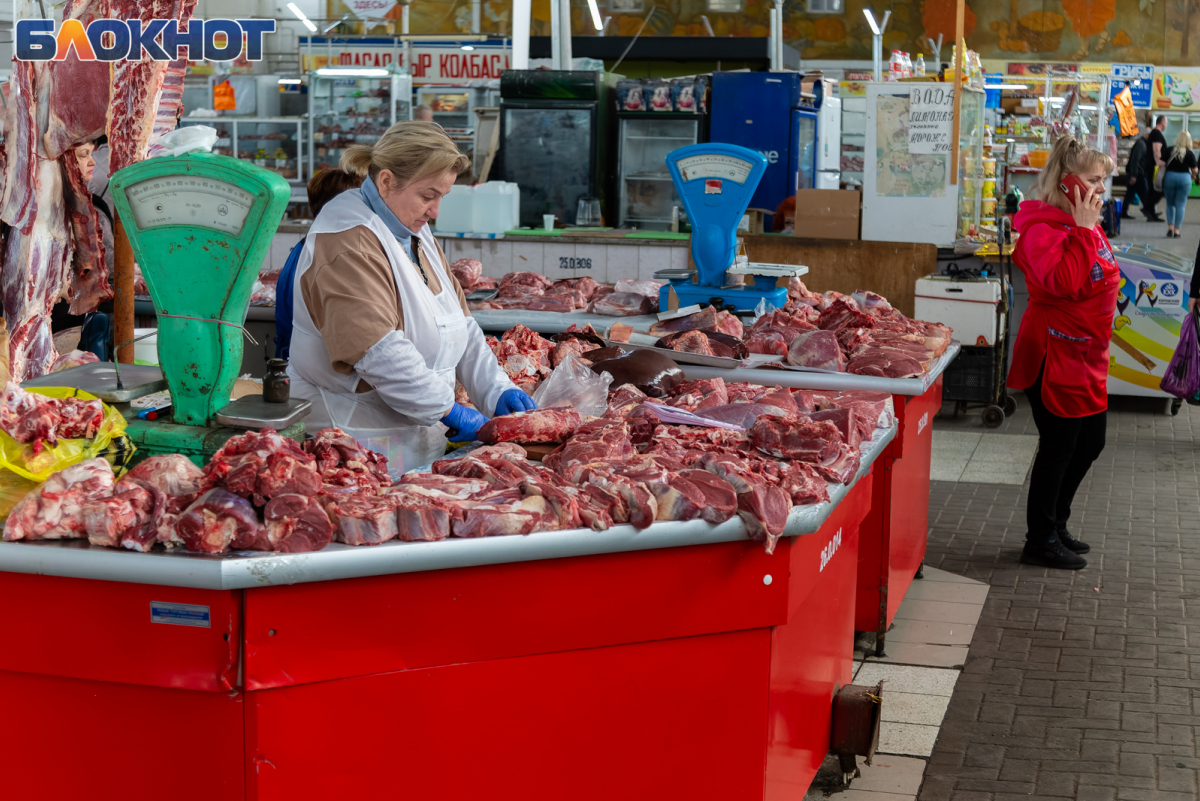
1130, 193
1067, 446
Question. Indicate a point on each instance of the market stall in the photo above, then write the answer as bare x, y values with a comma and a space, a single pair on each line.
268, 664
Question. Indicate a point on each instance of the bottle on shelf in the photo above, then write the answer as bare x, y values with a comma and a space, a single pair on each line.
919, 67
907, 62
894, 66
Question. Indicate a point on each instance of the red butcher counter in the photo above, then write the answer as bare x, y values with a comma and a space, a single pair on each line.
894, 535
677, 662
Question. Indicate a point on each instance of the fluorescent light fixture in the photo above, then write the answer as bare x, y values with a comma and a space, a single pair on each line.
300, 16
351, 72
595, 15
1087, 108
468, 47
866, 11
1005, 86
289, 80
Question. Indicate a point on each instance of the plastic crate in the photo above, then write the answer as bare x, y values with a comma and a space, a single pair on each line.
975, 375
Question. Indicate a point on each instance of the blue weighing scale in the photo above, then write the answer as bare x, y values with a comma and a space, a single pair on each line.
716, 181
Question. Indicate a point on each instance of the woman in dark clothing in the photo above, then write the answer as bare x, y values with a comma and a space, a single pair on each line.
1060, 358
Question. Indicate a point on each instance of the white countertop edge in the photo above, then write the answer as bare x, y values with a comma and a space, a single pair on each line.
76, 559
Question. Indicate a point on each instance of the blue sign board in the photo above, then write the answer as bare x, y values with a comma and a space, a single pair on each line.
1138, 77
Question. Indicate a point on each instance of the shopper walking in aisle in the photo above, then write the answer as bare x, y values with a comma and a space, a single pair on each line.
1181, 171
1156, 151
1060, 358
1135, 174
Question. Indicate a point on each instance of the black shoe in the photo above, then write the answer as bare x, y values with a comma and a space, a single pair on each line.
1153, 218
1072, 544
1052, 554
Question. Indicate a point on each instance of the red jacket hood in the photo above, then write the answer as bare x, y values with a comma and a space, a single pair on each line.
1038, 211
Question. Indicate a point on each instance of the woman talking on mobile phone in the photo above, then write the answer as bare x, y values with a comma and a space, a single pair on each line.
1060, 358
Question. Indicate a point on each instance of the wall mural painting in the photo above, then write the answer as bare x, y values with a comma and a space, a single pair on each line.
1123, 31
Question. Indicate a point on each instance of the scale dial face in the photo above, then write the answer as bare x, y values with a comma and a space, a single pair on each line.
189, 200
714, 165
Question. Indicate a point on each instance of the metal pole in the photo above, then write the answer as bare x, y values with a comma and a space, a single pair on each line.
520, 34
771, 37
564, 16
877, 55
555, 36
404, 20
779, 34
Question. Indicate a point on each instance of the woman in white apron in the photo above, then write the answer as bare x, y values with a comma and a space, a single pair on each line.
380, 328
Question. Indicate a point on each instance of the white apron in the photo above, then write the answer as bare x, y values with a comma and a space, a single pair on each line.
435, 325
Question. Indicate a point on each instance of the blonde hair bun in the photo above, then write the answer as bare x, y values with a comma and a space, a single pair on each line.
410, 150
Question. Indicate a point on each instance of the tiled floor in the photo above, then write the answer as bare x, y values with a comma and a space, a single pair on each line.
925, 649
982, 458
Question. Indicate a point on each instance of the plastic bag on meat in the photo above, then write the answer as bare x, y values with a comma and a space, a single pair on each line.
82, 428
648, 288
574, 384
55, 509
74, 359
219, 521
184, 140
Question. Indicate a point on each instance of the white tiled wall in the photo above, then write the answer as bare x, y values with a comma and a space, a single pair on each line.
281, 246
566, 259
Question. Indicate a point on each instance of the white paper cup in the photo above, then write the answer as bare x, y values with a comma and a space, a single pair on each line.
548, 222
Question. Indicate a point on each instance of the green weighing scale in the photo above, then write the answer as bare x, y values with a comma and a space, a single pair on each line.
200, 226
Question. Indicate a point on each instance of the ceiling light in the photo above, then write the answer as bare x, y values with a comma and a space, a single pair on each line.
345, 72
1005, 86
300, 16
468, 47
289, 80
595, 15
870, 21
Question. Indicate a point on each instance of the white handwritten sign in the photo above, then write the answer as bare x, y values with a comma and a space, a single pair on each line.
930, 119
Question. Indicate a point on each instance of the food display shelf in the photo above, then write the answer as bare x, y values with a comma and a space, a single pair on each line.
497, 321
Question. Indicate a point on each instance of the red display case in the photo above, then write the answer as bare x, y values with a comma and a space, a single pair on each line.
700, 671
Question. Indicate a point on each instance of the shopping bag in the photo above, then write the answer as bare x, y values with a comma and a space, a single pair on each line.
1159, 174
1182, 377
110, 443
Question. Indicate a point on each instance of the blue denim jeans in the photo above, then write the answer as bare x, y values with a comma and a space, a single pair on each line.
1176, 186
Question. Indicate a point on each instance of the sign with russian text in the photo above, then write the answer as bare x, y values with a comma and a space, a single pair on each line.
1138, 77
930, 119
433, 62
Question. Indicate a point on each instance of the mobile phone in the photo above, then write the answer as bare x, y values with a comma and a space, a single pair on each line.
1069, 184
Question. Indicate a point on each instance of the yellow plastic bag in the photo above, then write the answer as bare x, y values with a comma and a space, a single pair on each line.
110, 443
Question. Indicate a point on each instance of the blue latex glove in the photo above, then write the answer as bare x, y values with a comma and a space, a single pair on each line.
463, 423
514, 400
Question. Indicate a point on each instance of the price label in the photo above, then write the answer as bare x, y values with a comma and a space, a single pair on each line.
930, 120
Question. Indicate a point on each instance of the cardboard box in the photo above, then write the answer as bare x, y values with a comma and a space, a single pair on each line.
828, 213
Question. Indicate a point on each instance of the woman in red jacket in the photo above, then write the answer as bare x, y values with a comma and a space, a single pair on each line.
1060, 358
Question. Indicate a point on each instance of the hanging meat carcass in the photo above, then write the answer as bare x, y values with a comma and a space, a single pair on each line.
51, 235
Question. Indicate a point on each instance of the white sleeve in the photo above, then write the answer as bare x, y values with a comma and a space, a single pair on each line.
399, 374
480, 373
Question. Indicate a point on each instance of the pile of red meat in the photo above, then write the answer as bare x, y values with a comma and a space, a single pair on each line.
260, 492
859, 333
31, 418
469, 273
536, 292
524, 356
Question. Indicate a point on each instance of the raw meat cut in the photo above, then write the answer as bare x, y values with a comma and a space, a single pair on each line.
179, 482
873, 304
653, 373
624, 304
526, 280
706, 343
619, 332
542, 425
219, 521
720, 501
18, 203
460, 488
87, 284
468, 272
818, 350
31, 418
604, 439
73, 359
702, 394
127, 513
296, 524
703, 320
844, 312
729, 325
364, 519
853, 426
524, 356
504, 512
803, 441
55, 509
261, 465
337, 452
885, 363
647, 288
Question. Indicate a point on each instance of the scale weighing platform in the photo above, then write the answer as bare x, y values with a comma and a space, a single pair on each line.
716, 181
200, 226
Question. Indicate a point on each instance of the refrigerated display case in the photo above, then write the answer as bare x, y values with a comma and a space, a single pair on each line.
353, 105
646, 193
799, 132
1152, 306
554, 131
279, 144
